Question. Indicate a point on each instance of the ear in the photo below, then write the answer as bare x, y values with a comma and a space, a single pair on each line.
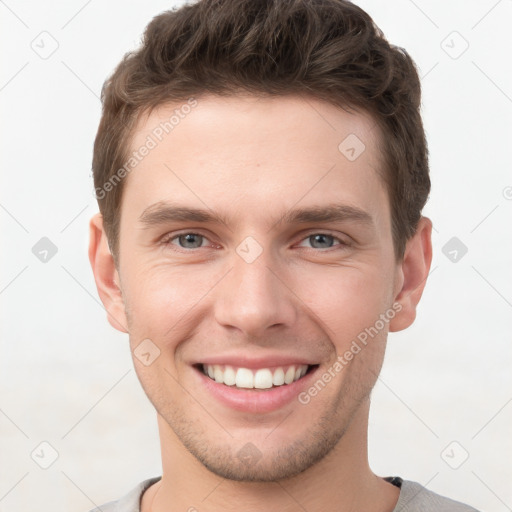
412, 275
106, 275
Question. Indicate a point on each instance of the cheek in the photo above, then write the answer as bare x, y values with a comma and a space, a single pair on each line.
346, 300
161, 300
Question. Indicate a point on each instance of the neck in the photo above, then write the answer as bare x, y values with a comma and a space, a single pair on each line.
343, 477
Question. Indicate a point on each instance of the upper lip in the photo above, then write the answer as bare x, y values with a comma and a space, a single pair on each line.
253, 362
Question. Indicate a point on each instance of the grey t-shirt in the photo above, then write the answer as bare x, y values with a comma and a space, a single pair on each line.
413, 498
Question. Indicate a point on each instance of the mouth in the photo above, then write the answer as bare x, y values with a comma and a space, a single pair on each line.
257, 379
254, 384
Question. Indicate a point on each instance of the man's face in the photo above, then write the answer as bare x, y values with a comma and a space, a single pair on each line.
265, 288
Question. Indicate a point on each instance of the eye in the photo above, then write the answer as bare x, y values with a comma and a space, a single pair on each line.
186, 240
191, 240
324, 241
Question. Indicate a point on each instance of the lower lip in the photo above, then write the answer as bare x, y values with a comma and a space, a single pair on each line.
256, 400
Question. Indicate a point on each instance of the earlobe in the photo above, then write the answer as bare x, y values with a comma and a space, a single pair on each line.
413, 271
106, 275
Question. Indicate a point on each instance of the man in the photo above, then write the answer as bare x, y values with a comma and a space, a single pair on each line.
261, 168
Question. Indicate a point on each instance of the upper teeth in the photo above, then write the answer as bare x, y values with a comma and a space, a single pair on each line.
262, 378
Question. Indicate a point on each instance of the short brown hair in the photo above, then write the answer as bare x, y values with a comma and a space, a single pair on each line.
326, 49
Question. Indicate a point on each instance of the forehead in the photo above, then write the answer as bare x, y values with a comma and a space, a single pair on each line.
250, 155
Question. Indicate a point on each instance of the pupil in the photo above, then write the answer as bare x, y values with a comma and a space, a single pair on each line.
189, 238
321, 239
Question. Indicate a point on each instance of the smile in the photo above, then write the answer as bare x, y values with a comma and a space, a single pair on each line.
254, 386
261, 378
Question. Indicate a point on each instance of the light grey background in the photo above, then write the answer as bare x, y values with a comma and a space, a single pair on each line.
66, 376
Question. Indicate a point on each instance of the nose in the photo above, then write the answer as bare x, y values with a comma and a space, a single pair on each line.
254, 297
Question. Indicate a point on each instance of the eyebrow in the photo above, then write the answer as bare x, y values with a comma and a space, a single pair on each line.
164, 212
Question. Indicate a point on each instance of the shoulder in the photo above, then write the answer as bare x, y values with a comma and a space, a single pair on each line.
131, 501
416, 498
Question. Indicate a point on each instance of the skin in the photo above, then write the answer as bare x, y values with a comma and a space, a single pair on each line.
252, 160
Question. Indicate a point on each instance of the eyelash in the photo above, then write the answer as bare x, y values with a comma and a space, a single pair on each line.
167, 240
